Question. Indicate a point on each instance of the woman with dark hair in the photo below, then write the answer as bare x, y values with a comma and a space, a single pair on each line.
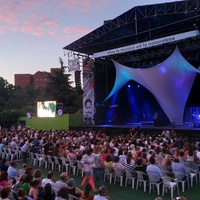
86, 194
21, 194
4, 179
108, 162
62, 194
47, 192
34, 189
26, 183
5, 193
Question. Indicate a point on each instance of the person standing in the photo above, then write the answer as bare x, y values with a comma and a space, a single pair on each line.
87, 161
25, 148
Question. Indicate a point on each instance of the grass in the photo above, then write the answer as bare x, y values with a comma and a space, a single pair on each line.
117, 192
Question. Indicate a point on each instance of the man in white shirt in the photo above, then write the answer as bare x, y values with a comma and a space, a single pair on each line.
50, 179
103, 194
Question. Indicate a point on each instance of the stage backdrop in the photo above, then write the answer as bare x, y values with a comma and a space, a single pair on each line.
170, 82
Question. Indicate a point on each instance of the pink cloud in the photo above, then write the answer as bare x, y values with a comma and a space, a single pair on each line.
41, 27
83, 6
74, 32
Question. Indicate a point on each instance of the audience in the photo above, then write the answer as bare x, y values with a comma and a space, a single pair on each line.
129, 152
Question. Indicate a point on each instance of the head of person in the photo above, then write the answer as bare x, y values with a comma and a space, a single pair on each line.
24, 166
158, 198
5, 192
13, 164
3, 176
117, 159
89, 151
28, 178
176, 160
103, 191
71, 183
88, 188
29, 170
37, 173
63, 176
108, 158
63, 193
47, 188
4, 161
152, 160
21, 193
50, 175
35, 184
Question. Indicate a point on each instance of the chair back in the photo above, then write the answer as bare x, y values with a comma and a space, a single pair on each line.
179, 176
72, 197
129, 173
153, 178
140, 175
118, 171
108, 169
167, 180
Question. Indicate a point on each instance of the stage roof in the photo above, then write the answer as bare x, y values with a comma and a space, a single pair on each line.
141, 23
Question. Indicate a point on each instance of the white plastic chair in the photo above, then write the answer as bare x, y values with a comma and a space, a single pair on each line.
108, 173
65, 164
118, 174
80, 168
130, 177
141, 180
50, 161
57, 162
169, 183
72, 197
193, 175
153, 178
72, 166
179, 176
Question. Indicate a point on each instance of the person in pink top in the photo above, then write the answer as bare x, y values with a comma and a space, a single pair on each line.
4, 179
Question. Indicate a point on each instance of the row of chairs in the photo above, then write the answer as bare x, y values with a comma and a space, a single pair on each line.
55, 162
167, 182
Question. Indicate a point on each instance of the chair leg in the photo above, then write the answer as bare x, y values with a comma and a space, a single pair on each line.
145, 186
158, 189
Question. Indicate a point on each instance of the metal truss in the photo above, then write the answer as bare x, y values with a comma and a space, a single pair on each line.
138, 24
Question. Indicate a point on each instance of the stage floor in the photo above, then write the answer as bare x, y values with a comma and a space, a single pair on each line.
149, 128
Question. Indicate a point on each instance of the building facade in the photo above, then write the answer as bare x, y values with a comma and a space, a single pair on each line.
37, 80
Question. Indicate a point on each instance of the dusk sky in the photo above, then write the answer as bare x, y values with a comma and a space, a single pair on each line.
34, 32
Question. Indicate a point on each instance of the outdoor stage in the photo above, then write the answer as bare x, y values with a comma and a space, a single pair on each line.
188, 129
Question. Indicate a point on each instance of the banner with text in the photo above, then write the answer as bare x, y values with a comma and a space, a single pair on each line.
147, 44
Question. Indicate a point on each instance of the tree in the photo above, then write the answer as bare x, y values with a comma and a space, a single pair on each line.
59, 88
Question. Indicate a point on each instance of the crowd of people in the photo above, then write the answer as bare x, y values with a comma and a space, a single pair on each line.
96, 151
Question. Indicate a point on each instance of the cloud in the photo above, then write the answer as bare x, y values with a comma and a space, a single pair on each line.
84, 6
75, 32
41, 18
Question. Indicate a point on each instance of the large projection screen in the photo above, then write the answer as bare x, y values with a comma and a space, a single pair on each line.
46, 109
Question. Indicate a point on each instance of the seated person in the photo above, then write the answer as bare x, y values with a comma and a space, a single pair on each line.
103, 194
72, 189
179, 167
153, 169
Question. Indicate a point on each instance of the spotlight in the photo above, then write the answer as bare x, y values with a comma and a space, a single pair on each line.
138, 86
129, 86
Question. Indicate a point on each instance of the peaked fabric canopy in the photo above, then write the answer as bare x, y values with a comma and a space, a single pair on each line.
170, 82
